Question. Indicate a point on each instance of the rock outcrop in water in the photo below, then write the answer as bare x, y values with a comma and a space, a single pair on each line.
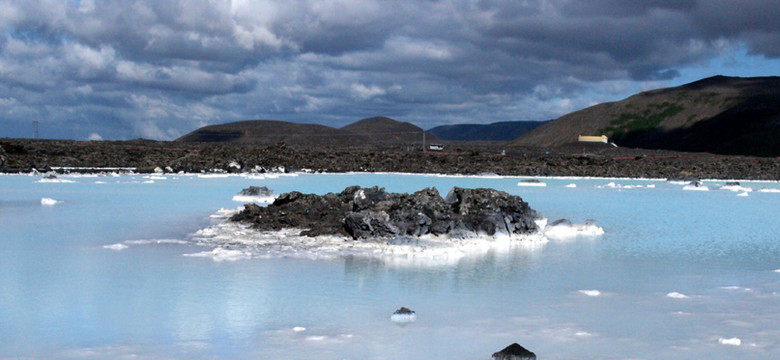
256, 191
373, 213
514, 352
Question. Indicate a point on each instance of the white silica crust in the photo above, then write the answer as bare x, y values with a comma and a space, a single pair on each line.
591, 293
676, 295
49, 201
255, 199
568, 231
403, 318
427, 250
730, 341
115, 247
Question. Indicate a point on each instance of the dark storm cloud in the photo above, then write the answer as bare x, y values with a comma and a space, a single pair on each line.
161, 68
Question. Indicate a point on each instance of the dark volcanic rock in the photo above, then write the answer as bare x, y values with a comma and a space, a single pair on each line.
372, 213
256, 191
403, 311
514, 352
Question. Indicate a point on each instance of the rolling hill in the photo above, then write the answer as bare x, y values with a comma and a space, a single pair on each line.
381, 129
498, 131
271, 132
377, 130
723, 115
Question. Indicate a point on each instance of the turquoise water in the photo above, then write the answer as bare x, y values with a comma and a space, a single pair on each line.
678, 275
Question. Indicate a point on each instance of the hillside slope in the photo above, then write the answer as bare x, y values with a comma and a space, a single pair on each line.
498, 131
272, 131
381, 129
725, 115
377, 130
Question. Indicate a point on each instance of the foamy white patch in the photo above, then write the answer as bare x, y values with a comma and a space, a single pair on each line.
115, 247
571, 186
299, 329
735, 288
565, 230
49, 201
148, 182
768, 190
158, 177
676, 295
583, 334
224, 213
55, 180
777, 270
591, 293
692, 187
531, 183
736, 188
427, 250
100, 182
219, 254
743, 194
156, 241
212, 176
730, 341
255, 199
613, 185
403, 318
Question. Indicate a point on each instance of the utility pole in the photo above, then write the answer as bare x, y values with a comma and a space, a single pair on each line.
423, 140
35, 128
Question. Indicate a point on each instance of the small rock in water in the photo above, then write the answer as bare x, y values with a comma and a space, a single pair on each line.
256, 191
514, 352
403, 316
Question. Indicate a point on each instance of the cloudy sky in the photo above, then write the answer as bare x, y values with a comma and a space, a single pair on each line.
123, 69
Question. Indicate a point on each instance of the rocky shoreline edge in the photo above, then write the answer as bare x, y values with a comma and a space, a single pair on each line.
145, 156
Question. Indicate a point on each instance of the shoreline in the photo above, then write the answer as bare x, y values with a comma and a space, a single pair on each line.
575, 161
249, 175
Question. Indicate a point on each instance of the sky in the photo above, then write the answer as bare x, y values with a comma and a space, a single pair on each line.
126, 69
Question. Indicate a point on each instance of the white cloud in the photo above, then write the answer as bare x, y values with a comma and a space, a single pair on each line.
95, 137
367, 92
177, 64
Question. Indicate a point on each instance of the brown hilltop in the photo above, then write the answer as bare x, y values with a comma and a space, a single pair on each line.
271, 132
381, 129
722, 115
375, 130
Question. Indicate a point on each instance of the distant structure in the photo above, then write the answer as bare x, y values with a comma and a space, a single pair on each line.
593, 139
35, 128
436, 147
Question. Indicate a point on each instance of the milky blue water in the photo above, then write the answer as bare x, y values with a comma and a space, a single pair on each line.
677, 275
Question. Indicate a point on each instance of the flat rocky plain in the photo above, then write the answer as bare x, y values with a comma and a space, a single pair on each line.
597, 160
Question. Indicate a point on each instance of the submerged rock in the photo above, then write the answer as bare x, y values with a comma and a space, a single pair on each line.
403, 316
514, 352
373, 213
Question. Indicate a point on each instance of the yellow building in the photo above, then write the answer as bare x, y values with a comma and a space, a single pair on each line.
601, 139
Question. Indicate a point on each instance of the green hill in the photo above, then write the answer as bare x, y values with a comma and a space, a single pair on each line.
724, 115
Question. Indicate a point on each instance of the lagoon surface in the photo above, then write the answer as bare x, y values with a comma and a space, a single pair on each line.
99, 271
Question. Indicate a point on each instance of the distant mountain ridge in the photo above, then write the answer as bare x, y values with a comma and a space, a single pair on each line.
498, 131
376, 130
723, 115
